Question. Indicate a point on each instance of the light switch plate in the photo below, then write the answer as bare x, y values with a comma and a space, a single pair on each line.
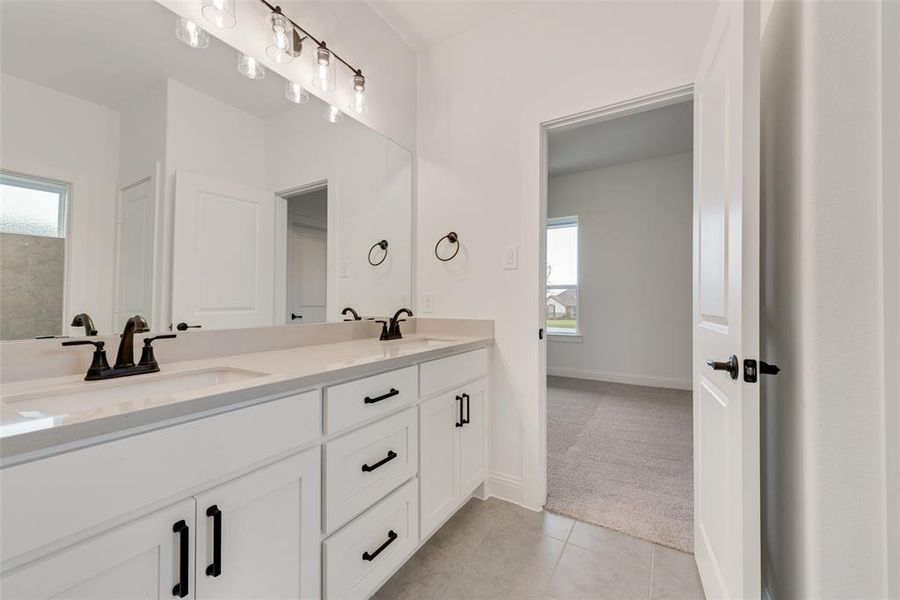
344, 268
404, 300
428, 303
511, 257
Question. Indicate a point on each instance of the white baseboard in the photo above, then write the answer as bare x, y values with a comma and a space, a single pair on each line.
506, 487
631, 379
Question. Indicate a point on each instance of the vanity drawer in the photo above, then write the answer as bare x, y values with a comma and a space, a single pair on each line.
364, 466
358, 401
446, 373
360, 556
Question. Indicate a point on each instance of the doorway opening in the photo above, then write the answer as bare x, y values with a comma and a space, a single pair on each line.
306, 263
617, 300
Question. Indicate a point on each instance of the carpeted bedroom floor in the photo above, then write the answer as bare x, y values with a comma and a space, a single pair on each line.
621, 456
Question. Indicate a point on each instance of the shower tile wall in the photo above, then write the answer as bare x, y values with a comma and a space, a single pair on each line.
31, 285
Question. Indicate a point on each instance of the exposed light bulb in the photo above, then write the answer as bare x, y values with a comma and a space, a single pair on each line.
323, 75
219, 12
358, 102
333, 114
190, 33
283, 48
295, 93
250, 67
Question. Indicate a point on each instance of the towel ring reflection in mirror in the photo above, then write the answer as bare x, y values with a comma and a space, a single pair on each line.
384, 246
453, 239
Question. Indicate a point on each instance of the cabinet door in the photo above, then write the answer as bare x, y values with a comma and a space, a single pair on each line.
142, 559
268, 542
438, 468
472, 437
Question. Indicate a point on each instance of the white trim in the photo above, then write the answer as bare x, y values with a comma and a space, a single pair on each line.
568, 338
629, 378
506, 487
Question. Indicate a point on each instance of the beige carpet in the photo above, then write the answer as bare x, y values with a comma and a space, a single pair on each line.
620, 456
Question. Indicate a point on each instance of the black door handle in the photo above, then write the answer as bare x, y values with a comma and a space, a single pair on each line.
467, 420
391, 455
460, 423
390, 394
731, 366
295, 316
215, 569
184, 326
392, 535
181, 588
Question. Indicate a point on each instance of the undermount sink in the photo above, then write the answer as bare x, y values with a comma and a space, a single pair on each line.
88, 396
419, 343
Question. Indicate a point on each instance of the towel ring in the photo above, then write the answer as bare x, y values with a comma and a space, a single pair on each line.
383, 245
453, 239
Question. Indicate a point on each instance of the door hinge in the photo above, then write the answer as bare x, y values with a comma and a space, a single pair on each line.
752, 372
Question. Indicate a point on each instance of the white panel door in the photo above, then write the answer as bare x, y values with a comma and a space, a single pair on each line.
726, 305
438, 460
306, 274
268, 542
135, 251
224, 253
472, 440
142, 559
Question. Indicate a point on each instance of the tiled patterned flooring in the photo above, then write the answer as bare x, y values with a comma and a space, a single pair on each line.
496, 550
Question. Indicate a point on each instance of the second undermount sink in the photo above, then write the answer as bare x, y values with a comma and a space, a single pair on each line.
417, 344
140, 389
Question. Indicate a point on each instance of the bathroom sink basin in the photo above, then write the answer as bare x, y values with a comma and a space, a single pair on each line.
137, 390
417, 344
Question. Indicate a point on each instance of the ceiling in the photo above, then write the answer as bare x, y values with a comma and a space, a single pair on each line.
640, 136
425, 23
91, 50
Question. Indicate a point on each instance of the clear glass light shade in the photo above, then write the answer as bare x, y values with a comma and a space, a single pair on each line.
358, 103
219, 12
323, 70
250, 67
281, 49
295, 93
333, 114
190, 33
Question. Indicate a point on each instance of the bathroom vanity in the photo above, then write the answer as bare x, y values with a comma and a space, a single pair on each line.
305, 472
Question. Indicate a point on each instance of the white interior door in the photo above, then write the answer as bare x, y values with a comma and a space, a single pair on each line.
135, 251
223, 254
726, 305
306, 273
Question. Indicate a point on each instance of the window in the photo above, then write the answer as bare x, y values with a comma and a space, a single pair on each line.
30, 206
562, 276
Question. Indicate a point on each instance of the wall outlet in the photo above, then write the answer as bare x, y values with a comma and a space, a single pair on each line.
428, 303
511, 257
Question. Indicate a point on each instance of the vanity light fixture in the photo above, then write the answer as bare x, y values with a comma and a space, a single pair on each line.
219, 12
250, 67
333, 114
190, 33
323, 77
286, 43
295, 93
358, 102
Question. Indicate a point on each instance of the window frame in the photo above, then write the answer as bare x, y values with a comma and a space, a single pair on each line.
43, 184
560, 223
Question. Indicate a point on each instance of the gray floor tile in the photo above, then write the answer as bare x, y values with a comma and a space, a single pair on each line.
600, 539
675, 576
478, 584
519, 556
583, 575
545, 523
411, 582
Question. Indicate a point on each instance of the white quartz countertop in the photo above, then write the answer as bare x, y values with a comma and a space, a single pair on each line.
37, 420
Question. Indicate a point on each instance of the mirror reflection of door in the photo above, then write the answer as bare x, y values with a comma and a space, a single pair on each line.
307, 241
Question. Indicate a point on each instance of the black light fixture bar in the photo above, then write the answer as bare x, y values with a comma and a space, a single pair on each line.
320, 43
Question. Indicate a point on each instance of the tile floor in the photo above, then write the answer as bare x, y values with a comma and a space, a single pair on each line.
495, 550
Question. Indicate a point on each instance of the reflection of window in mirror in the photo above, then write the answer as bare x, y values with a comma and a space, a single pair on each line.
32, 256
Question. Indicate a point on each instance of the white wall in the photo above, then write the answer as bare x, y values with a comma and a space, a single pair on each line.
634, 296
482, 97
46, 133
824, 507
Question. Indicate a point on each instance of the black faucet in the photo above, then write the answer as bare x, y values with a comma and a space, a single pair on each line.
391, 329
124, 366
353, 312
84, 320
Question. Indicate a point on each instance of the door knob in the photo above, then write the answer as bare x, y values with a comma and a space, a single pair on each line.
295, 316
731, 366
184, 326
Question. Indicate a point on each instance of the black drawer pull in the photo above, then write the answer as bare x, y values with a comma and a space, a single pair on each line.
467, 420
215, 569
392, 535
461, 421
181, 588
390, 394
390, 456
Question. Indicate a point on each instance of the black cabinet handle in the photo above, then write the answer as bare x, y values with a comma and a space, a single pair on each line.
215, 569
461, 422
391, 455
390, 394
392, 535
467, 420
181, 588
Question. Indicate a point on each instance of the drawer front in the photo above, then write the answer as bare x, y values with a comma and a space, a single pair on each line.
360, 556
447, 373
364, 466
358, 401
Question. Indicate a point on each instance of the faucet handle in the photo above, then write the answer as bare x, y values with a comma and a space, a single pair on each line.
98, 344
99, 364
164, 336
384, 328
147, 357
